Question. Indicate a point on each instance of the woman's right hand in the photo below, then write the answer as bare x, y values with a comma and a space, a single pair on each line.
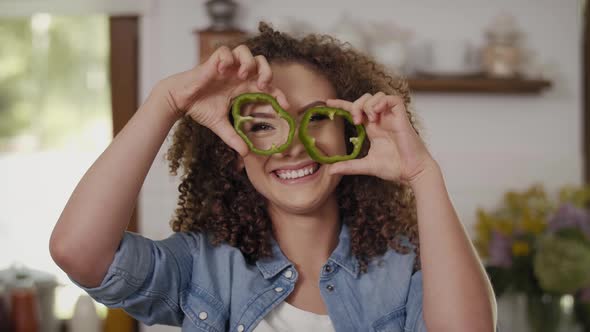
206, 91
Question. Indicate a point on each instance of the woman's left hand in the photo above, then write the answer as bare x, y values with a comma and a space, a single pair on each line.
397, 153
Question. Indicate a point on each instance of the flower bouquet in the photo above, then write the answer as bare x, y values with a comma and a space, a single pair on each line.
540, 247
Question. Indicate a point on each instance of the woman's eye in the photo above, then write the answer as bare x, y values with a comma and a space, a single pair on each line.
318, 117
260, 127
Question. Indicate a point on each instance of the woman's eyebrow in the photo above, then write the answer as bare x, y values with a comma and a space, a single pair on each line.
263, 115
265, 112
301, 110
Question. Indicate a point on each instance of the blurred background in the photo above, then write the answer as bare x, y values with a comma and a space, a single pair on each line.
500, 88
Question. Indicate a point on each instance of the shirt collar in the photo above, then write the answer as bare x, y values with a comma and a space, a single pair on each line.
271, 266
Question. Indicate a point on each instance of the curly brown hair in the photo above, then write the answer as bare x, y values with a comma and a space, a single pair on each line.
217, 198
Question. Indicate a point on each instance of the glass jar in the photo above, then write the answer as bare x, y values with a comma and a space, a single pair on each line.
24, 304
4, 314
544, 312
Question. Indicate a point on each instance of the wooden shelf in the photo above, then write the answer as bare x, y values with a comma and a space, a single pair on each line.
477, 85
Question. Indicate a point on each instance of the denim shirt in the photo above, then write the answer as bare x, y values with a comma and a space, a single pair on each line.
185, 281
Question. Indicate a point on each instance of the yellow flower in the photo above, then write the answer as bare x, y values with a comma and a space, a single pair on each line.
483, 229
504, 226
577, 195
533, 225
520, 248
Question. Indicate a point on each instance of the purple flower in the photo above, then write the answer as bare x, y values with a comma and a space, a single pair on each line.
500, 250
570, 216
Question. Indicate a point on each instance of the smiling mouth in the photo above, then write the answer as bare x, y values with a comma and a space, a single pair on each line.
292, 174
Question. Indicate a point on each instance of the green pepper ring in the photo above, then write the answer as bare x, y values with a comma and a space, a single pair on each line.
309, 142
239, 119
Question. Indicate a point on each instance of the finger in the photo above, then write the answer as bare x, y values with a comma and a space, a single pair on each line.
344, 105
396, 105
393, 102
228, 134
350, 167
223, 58
198, 77
246, 61
280, 97
339, 103
369, 106
264, 72
357, 108
379, 96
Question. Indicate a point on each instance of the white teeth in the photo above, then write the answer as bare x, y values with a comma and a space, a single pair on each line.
295, 174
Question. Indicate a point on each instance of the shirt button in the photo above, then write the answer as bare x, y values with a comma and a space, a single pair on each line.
240, 328
279, 289
330, 287
289, 274
327, 268
202, 315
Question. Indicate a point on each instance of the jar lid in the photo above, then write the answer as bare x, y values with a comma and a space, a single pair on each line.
19, 275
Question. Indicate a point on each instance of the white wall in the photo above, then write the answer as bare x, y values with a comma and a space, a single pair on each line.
19, 8
485, 144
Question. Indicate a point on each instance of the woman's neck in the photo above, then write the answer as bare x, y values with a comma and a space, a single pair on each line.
307, 240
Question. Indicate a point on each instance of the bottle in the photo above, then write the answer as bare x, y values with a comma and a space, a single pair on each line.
4, 316
24, 306
85, 318
118, 321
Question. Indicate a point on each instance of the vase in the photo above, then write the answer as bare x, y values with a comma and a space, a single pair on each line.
512, 313
521, 312
544, 312
85, 318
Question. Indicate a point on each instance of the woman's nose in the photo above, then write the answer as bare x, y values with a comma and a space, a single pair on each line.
295, 149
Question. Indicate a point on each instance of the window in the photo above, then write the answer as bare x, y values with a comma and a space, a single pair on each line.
55, 119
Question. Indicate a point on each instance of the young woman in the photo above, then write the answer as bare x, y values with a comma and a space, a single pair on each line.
278, 242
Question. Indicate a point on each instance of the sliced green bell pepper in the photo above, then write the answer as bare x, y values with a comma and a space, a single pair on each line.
309, 142
247, 98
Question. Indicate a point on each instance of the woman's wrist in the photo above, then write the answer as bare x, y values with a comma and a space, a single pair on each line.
430, 169
159, 101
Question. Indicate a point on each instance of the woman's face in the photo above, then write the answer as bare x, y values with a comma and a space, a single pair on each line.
291, 180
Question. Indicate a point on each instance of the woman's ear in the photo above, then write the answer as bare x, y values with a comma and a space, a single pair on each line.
239, 163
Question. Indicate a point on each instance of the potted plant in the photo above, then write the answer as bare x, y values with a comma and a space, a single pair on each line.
539, 247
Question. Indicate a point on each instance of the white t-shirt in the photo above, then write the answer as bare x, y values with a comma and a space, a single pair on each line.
288, 318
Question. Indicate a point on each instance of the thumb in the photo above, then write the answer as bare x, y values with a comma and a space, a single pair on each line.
201, 75
350, 167
227, 133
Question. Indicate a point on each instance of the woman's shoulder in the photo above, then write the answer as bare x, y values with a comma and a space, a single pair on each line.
399, 260
405, 252
401, 248
201, 242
